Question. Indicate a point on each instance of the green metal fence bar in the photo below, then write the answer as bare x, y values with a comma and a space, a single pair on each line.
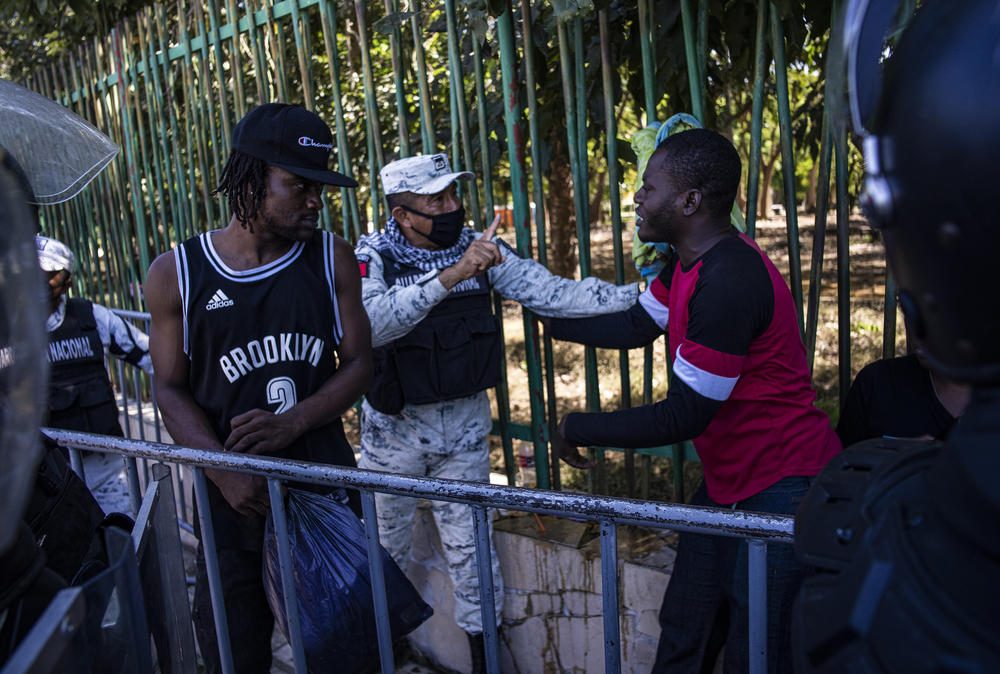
130, 160
453, 126
119, 182
171, 146
502, 389
87, 204
259, 62
168, 178
819, 239
822, 209
220, 83
395, 48
239, 95
538, 195
787, 165
119, 177
71, 225
610, 134
757, 117
99, 206
208, 103
159, 162
694, 83
275, 40
843, 267
889, 317
305, 61
519, 192
426, 119
71, 219
646, 54
702, 50
376, 160
348, 198
457, 80
582, 168
142, 138
646, 24
197, 145
572, 76
565, 61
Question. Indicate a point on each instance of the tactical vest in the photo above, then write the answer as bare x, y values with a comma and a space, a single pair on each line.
80, 395
455, 351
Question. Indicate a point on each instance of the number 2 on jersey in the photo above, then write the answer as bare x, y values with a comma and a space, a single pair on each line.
281, 392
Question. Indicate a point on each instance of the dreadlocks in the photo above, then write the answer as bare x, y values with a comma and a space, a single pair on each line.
244, 182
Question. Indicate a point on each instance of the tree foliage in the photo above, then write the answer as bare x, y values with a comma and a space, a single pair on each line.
33, 32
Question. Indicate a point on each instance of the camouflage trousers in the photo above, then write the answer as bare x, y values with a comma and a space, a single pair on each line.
445, 440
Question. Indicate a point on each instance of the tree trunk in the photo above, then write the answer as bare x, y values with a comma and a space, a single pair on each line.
764, 211
561, 220
741, 192
810, 203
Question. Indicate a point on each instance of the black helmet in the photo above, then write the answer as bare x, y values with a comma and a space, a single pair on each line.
931, 139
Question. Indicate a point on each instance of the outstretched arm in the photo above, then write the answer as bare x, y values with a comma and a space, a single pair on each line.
263, 432
535, 287
122, 339
683, 415
627, 329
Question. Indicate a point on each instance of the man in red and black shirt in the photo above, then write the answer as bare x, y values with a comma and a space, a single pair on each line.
741, 391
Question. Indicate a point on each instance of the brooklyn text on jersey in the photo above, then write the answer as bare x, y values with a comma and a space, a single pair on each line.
286, 346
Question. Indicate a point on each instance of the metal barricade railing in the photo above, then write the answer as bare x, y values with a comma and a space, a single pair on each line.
760, 529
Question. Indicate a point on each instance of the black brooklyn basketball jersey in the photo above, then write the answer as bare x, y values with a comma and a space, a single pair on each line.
261, 338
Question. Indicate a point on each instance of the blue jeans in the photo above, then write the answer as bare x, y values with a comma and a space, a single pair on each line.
706, 604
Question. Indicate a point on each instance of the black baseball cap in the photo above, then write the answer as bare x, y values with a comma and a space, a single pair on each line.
292, 138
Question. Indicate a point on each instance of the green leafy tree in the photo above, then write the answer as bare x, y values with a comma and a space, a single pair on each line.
33, 32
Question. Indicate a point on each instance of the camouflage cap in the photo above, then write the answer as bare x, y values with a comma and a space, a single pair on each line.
423, 174
54, 255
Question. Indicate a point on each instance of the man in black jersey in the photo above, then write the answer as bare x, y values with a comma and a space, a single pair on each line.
260, 343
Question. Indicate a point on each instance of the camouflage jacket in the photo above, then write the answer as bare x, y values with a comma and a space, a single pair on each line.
394, 311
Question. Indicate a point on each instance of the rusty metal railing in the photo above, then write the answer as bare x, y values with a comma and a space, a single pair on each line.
760, 529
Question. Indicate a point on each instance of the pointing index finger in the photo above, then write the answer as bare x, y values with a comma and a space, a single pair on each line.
491, 231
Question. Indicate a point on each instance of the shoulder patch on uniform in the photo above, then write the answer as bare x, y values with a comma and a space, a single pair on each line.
363, 260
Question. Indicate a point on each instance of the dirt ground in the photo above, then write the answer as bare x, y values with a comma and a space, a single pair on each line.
867, 304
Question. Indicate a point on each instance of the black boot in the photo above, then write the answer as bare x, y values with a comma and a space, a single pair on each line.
477, 649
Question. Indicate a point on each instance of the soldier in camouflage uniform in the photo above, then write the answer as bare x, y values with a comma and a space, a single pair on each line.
426, 282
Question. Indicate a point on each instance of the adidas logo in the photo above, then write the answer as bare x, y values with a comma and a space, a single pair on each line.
218, 301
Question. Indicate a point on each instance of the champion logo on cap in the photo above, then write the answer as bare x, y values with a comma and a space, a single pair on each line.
306, 141
292, 138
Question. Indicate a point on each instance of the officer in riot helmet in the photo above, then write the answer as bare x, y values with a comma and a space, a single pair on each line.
906, 534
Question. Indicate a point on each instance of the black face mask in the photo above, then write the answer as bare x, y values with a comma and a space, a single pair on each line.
445, 227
